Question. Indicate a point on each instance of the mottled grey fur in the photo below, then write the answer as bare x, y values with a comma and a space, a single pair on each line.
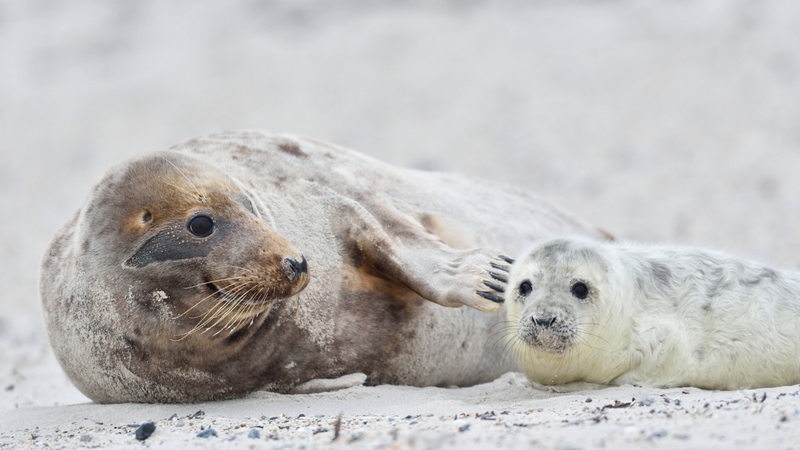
383, 246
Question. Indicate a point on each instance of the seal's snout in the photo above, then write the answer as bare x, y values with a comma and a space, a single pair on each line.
294, 269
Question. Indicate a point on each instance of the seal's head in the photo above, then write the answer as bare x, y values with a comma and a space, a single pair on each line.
560, 303
168, 270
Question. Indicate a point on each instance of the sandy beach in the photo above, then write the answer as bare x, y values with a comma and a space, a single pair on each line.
657, 121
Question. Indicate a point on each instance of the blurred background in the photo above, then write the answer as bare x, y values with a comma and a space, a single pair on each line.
664, 121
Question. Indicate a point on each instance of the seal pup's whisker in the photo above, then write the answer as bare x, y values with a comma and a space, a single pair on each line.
502, 330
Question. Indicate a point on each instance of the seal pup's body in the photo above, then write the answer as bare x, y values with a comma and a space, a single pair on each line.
619, 313
246, 261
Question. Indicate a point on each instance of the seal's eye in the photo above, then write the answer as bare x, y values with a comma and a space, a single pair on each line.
525, 288
580, 290
201, 226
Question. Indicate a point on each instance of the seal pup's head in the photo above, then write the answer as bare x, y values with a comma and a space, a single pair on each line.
168, 270
559, 303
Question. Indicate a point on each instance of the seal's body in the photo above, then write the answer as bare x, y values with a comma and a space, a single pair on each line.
618, 313
246, 261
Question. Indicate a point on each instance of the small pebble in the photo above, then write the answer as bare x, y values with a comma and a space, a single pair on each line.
207, 433
255, 433
658, 434
145, 430
646, 402
463, 428
86, 438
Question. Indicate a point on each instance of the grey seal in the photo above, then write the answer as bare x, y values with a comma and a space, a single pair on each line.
248, 260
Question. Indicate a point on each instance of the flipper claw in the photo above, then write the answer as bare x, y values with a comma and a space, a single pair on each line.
490, 296
498, 277
506, 259
494, 287
499, 267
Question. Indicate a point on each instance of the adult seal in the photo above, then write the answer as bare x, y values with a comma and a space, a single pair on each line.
246, 260
621, 313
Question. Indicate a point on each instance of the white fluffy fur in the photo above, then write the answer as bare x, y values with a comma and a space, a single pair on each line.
657, 316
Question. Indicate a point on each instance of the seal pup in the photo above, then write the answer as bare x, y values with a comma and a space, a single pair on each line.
247, 260
620, 313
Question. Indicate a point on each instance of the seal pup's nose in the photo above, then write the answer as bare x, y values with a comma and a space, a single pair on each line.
544, 321
294, 268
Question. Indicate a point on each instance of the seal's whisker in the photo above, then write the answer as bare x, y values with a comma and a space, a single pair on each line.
213, 313
204, 319
237, 322
234, 294
185, 177
206, 283
223, 317
191, 308
182, 189
199, 302
239, 309
502, 330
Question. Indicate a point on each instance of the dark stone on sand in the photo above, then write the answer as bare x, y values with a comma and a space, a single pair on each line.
145, 430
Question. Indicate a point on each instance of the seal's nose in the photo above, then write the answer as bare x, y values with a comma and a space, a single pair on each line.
544, 321
294, 268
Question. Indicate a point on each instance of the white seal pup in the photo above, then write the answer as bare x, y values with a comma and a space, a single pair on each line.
620, 313
246, 260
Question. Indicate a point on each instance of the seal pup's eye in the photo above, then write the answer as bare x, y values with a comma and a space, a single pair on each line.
201, 226
525, 288
580, 290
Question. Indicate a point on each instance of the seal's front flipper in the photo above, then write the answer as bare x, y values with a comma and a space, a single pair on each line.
400, 249
416, 259
443, 275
